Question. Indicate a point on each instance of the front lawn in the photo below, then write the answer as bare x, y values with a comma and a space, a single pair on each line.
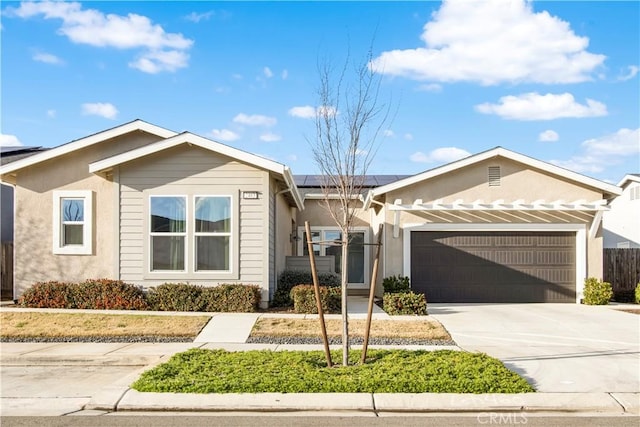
386, 371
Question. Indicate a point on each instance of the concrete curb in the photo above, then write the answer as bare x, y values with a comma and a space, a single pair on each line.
118, 399
84, 360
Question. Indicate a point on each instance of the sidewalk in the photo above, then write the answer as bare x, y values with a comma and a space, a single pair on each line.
230, 331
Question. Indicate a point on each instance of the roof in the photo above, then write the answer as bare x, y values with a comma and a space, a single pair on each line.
628, 178
136, 125
15, 153
192, 139
315, 181
495, 152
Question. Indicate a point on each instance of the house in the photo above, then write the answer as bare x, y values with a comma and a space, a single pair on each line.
9, 154
622, 223
147, 205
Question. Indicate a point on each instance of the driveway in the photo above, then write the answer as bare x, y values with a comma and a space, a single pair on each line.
556, 347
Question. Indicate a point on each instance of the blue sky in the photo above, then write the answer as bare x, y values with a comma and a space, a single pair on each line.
557, 81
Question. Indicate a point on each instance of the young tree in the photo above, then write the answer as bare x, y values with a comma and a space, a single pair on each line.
349, 118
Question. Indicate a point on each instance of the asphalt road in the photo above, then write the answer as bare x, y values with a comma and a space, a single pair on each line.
295, 420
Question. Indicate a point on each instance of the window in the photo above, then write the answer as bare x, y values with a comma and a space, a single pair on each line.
190, 234
72, 222
212, 233
168, 232
634, 193
357, 251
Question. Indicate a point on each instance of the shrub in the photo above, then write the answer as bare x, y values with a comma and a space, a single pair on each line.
405, 303
175, 297
638, 293
230, 298
91, 294
106, 294
597, 292
304, 299
47, 295
395, 284
290, 278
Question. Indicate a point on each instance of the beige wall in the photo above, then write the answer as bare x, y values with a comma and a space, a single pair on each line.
318, 214
34, 258
282, 232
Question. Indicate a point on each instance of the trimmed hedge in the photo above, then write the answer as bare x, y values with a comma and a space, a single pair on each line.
304, 299
597, 292
290, 278
100, 294
405, 303
395, 284
117, 295
638, 293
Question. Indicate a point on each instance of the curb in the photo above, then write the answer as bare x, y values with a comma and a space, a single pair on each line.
122, 399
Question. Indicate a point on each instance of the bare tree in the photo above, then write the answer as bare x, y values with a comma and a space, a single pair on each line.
349, 118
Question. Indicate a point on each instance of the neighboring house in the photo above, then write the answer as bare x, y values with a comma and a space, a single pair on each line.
622, 223
146, 205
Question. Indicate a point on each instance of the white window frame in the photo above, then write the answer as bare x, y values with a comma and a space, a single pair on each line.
184, 234
367, 254
86, 248
218, 234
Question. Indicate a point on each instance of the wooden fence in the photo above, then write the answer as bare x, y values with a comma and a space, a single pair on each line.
6, 271
622, 269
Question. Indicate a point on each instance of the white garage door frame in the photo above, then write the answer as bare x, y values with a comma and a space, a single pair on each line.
579, 229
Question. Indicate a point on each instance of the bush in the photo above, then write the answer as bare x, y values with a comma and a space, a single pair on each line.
638, 293
290, 278
175, 297
47, 295
597, 292
405, 303
91, 294
230, 298
395, 284
304, 299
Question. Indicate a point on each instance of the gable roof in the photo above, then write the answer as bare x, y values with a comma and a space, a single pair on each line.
136, 125
207, 144
495, 152
628, 178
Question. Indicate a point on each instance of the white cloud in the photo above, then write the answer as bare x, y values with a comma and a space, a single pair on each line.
599, 153
533, 106
292, 158
197, 17
431, 87
255, 120
102, 109
161, 51
270, 137
548, 136
47, 58
267, 72
408, 136
51, 113
492, 42
9, 140
632, 71
440, 155
309, 112
284, 74
225, 135
388, 133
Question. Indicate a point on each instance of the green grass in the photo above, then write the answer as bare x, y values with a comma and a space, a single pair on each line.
386, 371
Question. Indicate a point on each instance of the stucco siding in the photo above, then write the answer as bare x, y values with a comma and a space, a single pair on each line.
622, 222
34, 258
317, 213
192, 171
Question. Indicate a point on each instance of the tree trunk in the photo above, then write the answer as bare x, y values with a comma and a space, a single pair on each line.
345, 280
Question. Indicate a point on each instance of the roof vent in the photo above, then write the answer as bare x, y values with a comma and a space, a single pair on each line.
494, 176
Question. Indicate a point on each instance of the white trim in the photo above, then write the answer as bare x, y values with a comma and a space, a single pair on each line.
502, 152
87, 231
207, 144
136, 125
367, 255
501, 205
628, 178
229, 234
151, 234
579, 229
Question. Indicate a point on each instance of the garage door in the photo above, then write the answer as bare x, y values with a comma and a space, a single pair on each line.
494, 266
